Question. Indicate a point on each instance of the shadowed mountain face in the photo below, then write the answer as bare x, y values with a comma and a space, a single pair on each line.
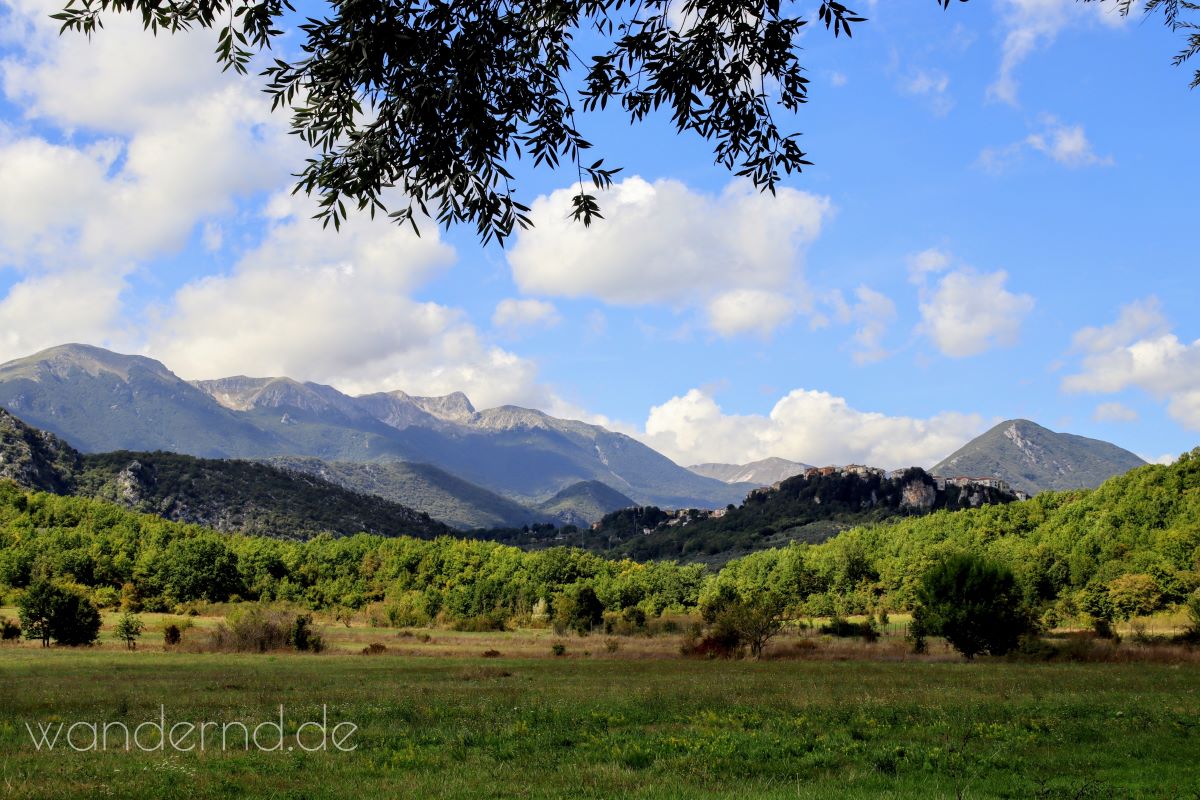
226, 495
101, 401
584, 503
426, 488
1034, 459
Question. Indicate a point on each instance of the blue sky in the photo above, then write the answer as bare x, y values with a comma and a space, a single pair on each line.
999, 222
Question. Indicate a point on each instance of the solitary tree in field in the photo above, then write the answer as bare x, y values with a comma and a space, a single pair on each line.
974, 603
129, 629
439, 97
54, 612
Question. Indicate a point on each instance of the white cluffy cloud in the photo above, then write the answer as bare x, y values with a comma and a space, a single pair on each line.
1138, 350
737, 257
337, 309
805, 425
157, 139
1067, 145
150, 140
967, 312
1032, 24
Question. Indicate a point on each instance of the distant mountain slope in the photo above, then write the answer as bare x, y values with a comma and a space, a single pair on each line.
101, 401
583, 503
244, 496
424, 487
760, 473
35, 459
227, 495
1034, 459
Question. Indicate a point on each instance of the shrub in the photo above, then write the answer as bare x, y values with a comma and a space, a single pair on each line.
974, 604
736, 623
131, 598
409, 609
558, 649
262, 630
374, 649
1134, 595
106, 597
491, 653
612, 645
1192, 606
129, 629
577, 609
635, 617
482, 623
302, 637
9, 630
843, 628
54, 612
172, 635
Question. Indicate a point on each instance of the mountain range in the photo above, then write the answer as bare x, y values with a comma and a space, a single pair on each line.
101, 401
1034, 459
506, 467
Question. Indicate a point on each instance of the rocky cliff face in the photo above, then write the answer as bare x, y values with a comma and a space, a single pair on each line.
35, 459
917, 495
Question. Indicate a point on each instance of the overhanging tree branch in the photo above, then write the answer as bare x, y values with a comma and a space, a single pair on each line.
437, 98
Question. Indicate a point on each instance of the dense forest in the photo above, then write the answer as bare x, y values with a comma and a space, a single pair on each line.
1131, 546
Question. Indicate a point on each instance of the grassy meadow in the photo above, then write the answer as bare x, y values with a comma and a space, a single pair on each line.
613, 717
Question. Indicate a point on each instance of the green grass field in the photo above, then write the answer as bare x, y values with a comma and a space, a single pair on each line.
615, 726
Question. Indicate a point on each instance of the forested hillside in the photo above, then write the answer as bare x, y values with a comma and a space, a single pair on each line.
1130, 546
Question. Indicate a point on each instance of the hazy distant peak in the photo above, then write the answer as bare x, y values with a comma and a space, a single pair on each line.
764, 472
61, 361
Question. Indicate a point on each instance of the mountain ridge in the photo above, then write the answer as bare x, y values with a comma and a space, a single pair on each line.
763, 472
1032, 458
101, 401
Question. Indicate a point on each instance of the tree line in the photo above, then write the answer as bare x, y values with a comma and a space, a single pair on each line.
1130, 547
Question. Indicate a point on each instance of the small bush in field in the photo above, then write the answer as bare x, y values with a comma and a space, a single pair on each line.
612, 645
558, 649
9, 630
172, 635
263, 630
843, 628
491, 653
374, 649
483, 623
